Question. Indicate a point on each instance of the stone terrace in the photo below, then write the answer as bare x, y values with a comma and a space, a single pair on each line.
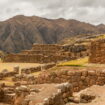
40, 54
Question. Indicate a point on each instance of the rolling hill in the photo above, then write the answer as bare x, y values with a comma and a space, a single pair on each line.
20, 32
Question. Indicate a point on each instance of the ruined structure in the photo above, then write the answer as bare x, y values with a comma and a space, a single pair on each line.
53, 88
43, 94
40, 53
47, 53
78, 50
97, 51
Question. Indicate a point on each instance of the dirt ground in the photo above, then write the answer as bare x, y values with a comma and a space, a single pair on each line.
99, 92
9, 66
45, 91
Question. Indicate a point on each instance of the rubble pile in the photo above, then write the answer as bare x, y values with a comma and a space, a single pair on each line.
58, 94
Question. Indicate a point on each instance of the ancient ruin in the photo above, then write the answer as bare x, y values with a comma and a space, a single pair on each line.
97, 51
55, 59
54, 84
40, 53
51, 87
47, 53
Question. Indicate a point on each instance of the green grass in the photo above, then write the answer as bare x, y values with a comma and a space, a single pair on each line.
102, 36
78, 63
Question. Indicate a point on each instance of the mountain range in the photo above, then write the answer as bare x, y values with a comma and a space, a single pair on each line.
20, 32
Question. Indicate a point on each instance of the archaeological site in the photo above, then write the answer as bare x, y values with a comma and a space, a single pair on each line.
98, 51
40, 54
62, 75
46, 53
52, 52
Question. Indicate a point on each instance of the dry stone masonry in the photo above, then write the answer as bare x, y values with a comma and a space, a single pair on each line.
79, 79
39, 54
44, 94
57, 94
6, 73
37, 68
46, 53
77, 51
97, 51
16, 73
50, 87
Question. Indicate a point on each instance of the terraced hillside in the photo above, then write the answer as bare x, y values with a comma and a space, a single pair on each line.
20, 32
80, 44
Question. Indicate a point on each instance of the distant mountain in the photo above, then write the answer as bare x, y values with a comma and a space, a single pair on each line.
101, 27
20, 32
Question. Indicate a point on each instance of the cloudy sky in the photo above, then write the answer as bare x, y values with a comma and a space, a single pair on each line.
92, 11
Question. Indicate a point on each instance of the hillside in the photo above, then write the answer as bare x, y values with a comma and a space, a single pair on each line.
20, 32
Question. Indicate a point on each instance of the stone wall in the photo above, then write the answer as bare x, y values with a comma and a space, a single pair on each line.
48, 53
58, 94
59, 97
40, 54
38, 68
97, 52
65, 81
7, 74
78, 50
47, 47
23, 58
6, 95
15, 72
79, 79
34, 58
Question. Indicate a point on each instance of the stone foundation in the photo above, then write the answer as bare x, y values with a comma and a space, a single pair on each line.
6, 73
38, 68
59, 95
61, 84
77, 51
79, 79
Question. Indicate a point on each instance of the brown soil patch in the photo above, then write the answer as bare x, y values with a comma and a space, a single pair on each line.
10, 66
98, 91
46, 90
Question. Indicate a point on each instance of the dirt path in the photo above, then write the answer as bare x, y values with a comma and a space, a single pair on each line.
45, 91
99, 91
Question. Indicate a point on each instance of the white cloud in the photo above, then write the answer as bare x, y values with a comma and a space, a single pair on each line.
92, 11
